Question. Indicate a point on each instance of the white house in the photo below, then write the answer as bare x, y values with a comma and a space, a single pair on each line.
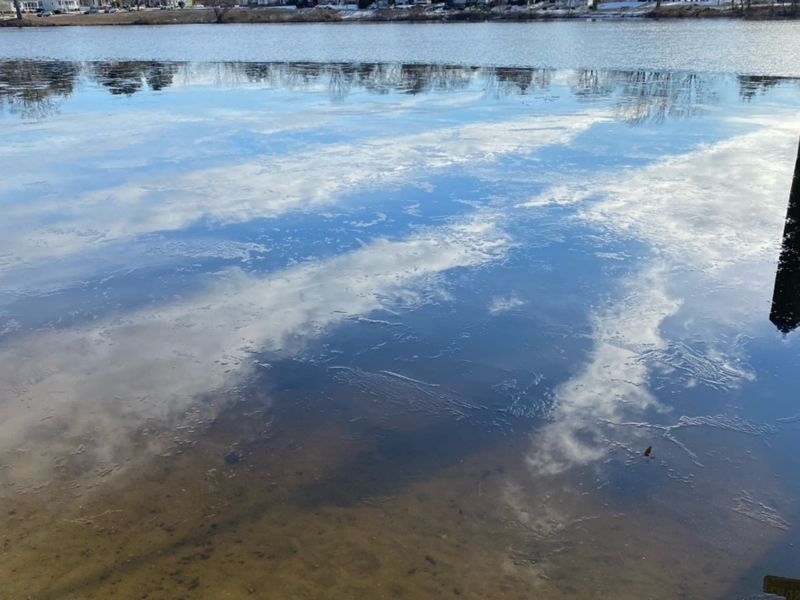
60, 5
95, 3
30, 6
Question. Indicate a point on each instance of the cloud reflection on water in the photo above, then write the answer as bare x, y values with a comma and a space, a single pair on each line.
707, 217
268, 186
98, 384
687, 209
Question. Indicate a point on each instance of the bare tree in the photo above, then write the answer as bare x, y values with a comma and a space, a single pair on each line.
221, 9
18, 8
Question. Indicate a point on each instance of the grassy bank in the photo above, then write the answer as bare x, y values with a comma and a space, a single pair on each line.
177, 17
194, 16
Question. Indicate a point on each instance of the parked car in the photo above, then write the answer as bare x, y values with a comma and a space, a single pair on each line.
91, 11
45, 13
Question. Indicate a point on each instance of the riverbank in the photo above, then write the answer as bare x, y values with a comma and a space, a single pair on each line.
195, 16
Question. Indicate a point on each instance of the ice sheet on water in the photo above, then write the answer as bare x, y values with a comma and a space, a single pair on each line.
228, 250
753, 509
526, 399
727, 422
376, 321
399, 390
715, 372
793, 419
720, 421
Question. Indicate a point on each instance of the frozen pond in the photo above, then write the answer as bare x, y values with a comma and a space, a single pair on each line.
383, 330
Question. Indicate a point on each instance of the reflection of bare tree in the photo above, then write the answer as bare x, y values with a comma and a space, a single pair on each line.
590, 84
654, 96
128, 77
416, 79
121, 78
379, 78
636, 96
342, 78
752, 85
339, 80
32, 88
159, 75
511, 82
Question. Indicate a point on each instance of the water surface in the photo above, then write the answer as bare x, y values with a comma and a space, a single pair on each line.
707, 45
373, 329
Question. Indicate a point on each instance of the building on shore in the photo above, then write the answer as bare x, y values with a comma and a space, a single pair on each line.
27, 6
60, 5
100, 4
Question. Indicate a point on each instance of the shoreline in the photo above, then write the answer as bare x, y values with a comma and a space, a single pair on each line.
280, 16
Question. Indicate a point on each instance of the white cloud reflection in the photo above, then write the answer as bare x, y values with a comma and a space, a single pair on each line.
91, 387
709, 217
501, 304
614, 381
718, 206
267, 186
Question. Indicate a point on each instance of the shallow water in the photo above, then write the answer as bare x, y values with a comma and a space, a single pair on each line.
361, 330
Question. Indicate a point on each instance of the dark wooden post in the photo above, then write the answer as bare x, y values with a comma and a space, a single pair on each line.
785, 313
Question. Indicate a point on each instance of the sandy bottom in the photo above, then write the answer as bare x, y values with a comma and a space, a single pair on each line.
334, 497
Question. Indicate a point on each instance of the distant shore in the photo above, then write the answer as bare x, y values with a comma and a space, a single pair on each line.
248, 15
